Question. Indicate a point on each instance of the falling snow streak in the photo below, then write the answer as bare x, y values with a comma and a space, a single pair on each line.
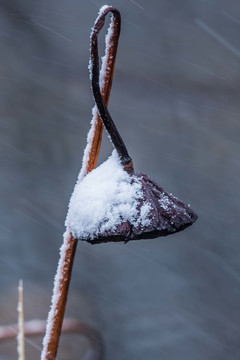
218, 37
50, 30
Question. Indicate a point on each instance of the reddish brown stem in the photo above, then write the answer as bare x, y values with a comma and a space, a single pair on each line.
59, 300
63, 277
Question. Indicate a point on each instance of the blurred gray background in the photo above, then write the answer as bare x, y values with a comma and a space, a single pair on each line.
175, 100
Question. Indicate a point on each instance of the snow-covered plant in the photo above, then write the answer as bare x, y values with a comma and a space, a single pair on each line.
112, 202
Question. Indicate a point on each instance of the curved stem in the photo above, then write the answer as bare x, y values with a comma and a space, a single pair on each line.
107, 72
102, 108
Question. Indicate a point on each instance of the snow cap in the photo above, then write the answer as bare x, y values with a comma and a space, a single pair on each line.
110, 204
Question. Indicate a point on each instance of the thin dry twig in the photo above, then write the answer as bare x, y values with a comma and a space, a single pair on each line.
37, 328
20, 336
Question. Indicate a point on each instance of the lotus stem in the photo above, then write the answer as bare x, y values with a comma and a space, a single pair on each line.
68, 249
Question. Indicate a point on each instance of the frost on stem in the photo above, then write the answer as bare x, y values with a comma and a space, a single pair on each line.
88, 147
107, 42
61, 282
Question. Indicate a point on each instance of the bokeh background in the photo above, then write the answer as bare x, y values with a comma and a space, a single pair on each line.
175, 100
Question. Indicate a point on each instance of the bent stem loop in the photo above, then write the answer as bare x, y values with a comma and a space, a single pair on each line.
108, 71
116, 139
63, 277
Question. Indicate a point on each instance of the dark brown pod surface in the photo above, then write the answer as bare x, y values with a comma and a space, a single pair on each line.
167, 215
